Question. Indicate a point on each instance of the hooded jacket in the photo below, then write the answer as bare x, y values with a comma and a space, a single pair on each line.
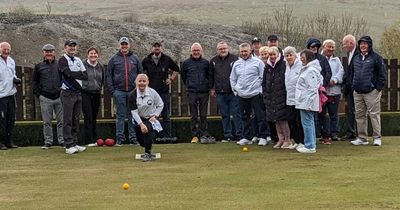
246, 77
326, 71
122, 71
369, 71
292, 74
307, 97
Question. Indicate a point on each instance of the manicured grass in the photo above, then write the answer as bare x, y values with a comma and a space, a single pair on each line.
220, 176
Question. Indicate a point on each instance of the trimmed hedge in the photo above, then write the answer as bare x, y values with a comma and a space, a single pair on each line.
30, 133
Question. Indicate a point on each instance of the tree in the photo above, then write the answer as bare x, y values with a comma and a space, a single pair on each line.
390, 45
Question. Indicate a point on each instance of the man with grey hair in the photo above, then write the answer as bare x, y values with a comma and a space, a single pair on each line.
333, 91
228, 103
8, 81
46, 83
349, 44
194, 73
246, 78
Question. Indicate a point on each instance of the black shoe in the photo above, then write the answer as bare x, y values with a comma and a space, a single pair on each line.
46, 146
12, 146
147, 157
3, 147
349, 137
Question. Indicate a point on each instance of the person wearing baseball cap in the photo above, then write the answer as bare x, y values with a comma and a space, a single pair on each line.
162, 70
121, 74
46, 83
255, 46
72, 73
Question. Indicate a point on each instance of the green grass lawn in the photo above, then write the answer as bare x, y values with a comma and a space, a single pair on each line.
188, 176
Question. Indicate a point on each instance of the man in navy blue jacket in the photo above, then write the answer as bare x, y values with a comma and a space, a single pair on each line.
194, 72
121, 74
369, 77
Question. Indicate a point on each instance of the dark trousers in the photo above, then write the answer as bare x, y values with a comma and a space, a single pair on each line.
198, 107
228, 105
145, 139
90, 109
7, 119
72, 107
256, 104
296, 128
166, 114
350, 120
328, 119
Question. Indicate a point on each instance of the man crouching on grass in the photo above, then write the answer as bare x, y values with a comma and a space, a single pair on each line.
145, 105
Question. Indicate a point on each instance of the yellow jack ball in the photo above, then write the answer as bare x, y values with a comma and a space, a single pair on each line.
245, 149
125, 186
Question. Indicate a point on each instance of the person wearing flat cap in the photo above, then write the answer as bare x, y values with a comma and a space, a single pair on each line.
121, 74
46, 85
162, 71
72, 73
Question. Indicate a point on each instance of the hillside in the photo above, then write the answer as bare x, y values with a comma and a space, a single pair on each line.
28, 34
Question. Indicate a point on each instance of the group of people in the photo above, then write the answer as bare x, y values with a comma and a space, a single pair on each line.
270, 94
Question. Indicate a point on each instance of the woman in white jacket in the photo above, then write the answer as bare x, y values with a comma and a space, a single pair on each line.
307, 98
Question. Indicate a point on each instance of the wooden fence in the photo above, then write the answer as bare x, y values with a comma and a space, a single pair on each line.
28, 106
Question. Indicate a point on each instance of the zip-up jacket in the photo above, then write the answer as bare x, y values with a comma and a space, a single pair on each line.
369, 70
194, 73
337, 76
46, 79
95, 80
7, 75
72, 73
246, 77
159, 72
220, 70
122, 71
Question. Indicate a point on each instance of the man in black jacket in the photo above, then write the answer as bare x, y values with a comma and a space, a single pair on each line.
228, 103
162, 71
349, 44
314, 44
369, 77
46, 83
194, 72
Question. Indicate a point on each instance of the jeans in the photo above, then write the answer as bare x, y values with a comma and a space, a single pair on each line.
307, 121
48, 107
90, 109
198, 106
7, 120
332, 107
121, 102
166, 114
246, 106
72, 107
228, 105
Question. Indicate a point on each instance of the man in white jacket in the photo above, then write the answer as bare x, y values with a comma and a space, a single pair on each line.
8, 80
246, 78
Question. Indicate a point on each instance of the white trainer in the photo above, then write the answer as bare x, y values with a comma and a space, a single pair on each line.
377, 142
293, 146
71, 150
305, 150
262, 142
244, 142
92, 144
359, 141
80, 148
255, 139
300, 145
